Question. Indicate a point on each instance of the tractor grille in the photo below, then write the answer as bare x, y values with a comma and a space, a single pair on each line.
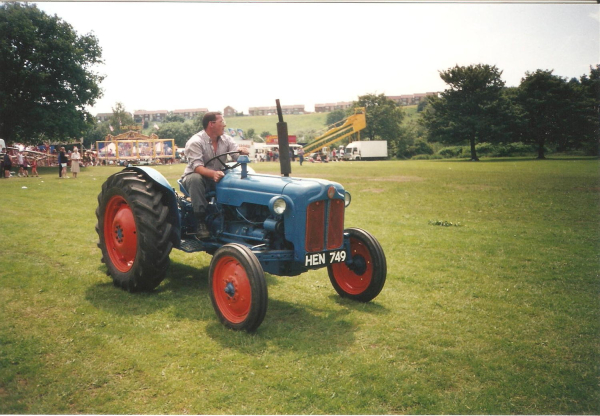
324, 225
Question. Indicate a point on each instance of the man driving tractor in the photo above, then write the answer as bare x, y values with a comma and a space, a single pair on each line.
200, 176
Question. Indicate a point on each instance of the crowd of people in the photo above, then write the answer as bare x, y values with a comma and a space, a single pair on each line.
26, 159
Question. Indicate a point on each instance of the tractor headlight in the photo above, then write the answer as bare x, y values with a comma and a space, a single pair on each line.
347, 199
279, 206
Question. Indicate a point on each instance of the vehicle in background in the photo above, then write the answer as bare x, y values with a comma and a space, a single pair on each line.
366, 150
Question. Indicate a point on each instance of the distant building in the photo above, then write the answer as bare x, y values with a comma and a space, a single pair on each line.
190, 114
329, 107
140, 116
412, 99
229, 112
285, 109
103, 116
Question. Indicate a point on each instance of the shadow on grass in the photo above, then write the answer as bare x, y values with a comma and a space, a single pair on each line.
184, 288
291, 327
287, 325
371, 307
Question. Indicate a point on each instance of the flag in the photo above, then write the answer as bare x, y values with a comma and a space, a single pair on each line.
156, 127
111, 128
240, 133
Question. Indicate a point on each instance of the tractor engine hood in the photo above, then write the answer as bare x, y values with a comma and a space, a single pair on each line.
259, 189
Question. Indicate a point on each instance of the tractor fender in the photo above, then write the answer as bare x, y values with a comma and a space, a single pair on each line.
155, 176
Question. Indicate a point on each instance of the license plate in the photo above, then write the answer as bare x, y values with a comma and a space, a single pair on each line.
324, 258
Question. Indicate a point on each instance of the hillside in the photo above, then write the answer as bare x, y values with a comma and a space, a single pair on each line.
296, 123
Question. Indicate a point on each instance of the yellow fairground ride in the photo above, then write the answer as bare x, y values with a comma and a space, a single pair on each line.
340, 130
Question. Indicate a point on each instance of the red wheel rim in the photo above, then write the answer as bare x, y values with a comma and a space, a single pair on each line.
231, 289
356, 280
120, 234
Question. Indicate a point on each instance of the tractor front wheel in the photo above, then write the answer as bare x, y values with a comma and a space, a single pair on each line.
363, 277
238, 289
134, 231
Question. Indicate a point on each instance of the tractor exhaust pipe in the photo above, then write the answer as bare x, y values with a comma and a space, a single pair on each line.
283, 142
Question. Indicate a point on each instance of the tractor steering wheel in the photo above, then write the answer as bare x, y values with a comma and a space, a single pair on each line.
225, 166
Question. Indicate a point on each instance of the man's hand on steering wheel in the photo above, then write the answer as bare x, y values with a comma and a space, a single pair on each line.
241, 151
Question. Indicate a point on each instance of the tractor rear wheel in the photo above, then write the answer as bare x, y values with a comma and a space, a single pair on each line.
238, 289
363, 279
134, 231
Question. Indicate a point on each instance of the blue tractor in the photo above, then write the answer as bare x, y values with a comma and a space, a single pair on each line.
258, 223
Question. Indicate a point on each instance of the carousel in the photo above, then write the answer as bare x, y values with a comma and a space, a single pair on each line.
134, 147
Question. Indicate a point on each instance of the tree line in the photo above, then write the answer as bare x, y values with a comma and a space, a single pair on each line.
48, 81
544, 112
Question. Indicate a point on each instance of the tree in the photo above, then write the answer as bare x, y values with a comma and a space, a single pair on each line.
551, 107
384, 117
120, 118
47, 76
174, 118
335, 116
472, 110
590, 125
181, 132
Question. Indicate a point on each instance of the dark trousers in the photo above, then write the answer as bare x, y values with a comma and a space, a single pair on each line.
197, 186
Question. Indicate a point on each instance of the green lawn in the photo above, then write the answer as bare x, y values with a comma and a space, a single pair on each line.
490, 307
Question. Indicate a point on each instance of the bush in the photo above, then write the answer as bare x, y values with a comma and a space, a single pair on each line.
420, 147
454, 151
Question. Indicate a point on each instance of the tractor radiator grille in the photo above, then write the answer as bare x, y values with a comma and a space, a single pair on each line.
324, 225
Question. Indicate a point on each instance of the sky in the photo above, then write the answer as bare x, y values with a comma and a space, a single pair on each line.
185, 55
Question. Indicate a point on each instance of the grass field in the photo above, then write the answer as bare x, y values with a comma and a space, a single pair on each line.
491, 304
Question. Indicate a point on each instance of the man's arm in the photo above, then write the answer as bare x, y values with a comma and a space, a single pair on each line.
215, 175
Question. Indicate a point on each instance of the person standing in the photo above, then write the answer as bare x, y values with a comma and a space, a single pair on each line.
75, 158
301, 155
7, 164
62, 163
20, 162
34, 164
199, 176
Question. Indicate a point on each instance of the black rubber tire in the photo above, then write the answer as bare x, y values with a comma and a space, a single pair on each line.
237, 287
148, 256
364, 280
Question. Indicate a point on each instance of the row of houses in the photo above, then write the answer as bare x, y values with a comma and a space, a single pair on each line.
141, 116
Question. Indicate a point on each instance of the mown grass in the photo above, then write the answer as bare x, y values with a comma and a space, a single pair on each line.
498, 313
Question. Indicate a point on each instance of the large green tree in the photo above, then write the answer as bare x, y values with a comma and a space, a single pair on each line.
551, 107
384, 121
47, 76
472, 110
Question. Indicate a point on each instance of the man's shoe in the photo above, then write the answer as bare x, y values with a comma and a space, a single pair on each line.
201, 232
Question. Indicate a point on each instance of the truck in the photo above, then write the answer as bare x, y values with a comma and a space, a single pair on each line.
258, 223
366, 150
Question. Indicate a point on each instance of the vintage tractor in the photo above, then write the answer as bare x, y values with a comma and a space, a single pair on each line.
258, 223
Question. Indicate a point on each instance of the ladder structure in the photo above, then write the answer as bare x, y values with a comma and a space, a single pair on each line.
340, 130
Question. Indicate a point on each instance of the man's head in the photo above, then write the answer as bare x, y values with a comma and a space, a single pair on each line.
213, 123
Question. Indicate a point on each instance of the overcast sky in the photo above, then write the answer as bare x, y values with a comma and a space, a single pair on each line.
169, 56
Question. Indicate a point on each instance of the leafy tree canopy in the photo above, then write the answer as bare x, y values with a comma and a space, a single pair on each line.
47, 76
384, 117
335, 116
550, 106
471, 110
